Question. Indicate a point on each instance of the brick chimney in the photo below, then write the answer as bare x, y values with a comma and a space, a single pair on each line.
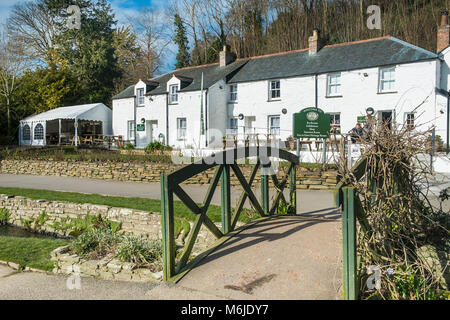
226, 57
443, 35
315, 43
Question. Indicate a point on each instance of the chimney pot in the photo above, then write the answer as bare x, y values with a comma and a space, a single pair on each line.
315, 43
444, 18
443, 34
226, 57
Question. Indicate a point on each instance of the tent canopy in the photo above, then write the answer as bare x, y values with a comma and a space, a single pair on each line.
81, 112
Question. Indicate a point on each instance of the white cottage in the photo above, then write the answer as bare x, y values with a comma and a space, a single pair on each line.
400, 81
65, 124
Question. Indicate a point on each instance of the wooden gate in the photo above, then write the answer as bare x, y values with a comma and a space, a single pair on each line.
225, 162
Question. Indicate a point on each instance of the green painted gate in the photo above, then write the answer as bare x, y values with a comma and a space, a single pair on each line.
175, 268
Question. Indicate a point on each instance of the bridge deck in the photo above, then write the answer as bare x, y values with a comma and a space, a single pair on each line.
283, 258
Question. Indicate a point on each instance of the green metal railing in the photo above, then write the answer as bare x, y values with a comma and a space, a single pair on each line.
225, 162
347, 198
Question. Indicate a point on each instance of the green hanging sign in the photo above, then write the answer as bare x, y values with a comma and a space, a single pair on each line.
311, 123
140, 127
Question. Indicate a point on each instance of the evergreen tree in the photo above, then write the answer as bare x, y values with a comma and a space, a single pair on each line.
90, 50
183, 57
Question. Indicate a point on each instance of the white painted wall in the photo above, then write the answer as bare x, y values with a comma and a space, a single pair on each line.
123, 111
217, 113
415, 86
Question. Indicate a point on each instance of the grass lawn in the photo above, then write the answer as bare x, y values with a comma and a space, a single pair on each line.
181, 211
29, 252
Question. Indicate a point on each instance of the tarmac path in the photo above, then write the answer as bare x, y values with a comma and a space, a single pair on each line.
284, 258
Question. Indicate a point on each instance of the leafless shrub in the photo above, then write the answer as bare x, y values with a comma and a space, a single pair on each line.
399, 230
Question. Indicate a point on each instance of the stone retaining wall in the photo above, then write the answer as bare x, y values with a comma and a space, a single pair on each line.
106, 268
147, 172
24, 213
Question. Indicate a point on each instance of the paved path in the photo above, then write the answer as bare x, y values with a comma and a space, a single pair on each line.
308, 199
285, 258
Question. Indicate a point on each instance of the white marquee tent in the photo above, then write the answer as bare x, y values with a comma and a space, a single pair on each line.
65, 124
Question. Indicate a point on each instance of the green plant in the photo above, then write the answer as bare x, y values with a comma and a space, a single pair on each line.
181, 225
139, 250
157, 146
409, 284
284, 208
129, 146
95, 243
26, 223
79, 226
40, 220
4, 216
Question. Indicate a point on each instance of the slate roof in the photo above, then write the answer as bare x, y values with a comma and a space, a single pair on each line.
127, 93
333, 58
362, 54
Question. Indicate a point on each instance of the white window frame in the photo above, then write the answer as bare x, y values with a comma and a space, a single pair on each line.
29, 132
271, 98
337, 85
141, 96
173, 95
181, 131
408, 125
232, 130
233, 93
39, 125
272, 129
131, 129
333, 120
382, 80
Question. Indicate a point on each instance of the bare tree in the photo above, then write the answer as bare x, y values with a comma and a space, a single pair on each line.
13, 62
152, 34
31, 24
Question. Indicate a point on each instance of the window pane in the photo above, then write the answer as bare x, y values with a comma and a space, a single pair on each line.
39, 132
233, 92
26, 133
274, 123
387, 79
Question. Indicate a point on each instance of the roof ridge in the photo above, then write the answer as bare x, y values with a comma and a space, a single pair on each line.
306, 49
357, 41
193, 67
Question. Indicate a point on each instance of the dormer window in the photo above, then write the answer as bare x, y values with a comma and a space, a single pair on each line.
140, 97
173, 94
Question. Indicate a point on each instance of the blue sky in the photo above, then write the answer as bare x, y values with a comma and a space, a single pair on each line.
121, 8
127, 5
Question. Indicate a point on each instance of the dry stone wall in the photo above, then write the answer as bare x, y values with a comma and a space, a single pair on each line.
147, 172
25, 213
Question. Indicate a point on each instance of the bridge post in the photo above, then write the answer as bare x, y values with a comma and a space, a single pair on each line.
293, 187
265, 188
349, 239
226, 199
167, 221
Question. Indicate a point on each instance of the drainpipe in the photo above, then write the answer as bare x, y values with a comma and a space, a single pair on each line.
316, 91
206, 118
448, 123
135, 122
167, 118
